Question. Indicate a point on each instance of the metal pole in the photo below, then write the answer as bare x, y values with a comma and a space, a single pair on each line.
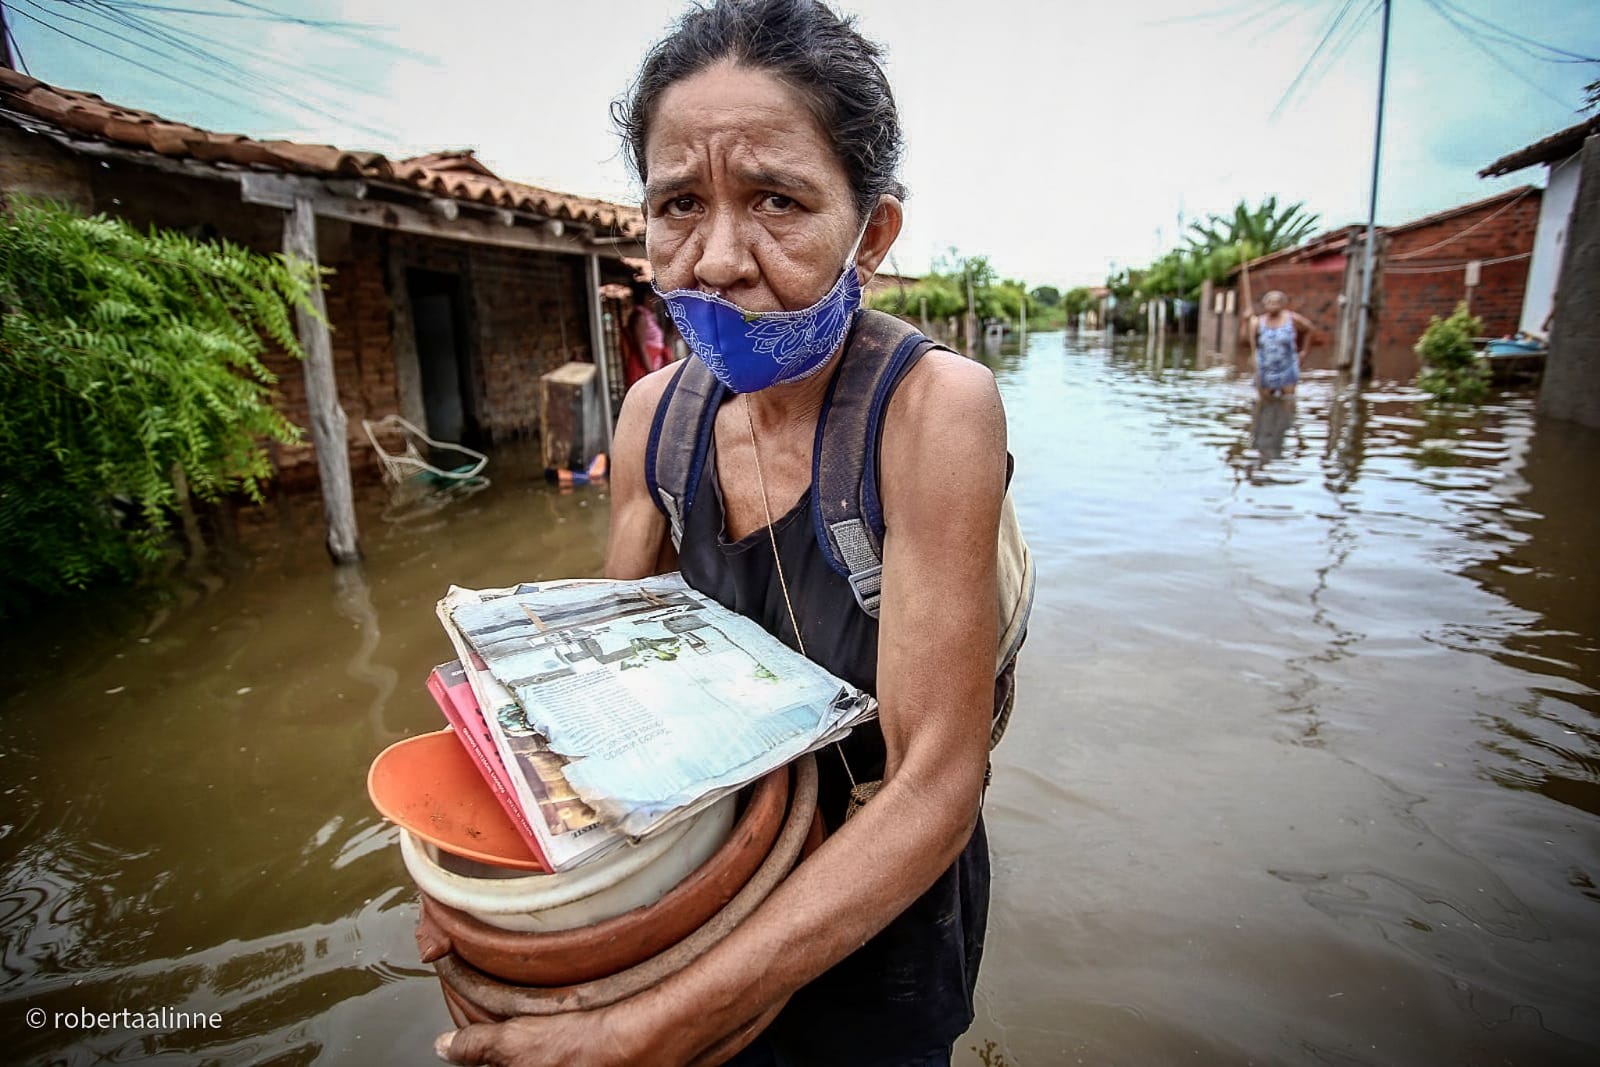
1372, 206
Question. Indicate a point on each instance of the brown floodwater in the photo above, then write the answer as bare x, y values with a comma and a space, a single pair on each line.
1305, 767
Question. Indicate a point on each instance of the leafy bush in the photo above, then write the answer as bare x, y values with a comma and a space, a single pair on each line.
1451, 367
127, 361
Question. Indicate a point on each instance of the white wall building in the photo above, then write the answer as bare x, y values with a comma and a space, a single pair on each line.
1559, 154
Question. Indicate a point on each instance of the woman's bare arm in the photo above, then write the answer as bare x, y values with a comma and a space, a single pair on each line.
944, 478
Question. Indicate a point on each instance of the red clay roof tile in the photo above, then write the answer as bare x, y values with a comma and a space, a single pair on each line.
456, 174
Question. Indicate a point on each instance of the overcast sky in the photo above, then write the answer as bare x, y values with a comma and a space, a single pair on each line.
1058, 138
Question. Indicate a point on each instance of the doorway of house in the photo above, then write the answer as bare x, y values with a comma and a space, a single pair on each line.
444, 356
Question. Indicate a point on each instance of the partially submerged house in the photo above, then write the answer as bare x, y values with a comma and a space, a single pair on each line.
1476, 252
453, 289
1563, 293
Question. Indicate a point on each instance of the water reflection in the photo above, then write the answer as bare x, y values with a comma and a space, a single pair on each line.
1273, 418
195, 833
353, 600
1345, 578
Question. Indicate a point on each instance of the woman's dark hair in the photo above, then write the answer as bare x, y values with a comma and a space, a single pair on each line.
809, 47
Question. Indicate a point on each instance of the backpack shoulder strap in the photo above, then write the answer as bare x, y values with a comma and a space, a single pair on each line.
680, 435
846, 509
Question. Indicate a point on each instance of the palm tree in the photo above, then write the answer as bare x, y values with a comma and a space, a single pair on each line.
1266, 229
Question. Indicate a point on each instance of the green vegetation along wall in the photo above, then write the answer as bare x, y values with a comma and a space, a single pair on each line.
130, 372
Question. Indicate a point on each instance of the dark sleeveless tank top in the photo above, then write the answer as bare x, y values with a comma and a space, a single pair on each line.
908, 990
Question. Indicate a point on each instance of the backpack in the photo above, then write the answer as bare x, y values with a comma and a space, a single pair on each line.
846, 508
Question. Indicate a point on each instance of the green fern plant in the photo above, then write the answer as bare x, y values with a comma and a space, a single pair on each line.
1452, 370
128, 360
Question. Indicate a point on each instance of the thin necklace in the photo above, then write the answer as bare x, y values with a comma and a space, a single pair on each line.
766, 510
857, 796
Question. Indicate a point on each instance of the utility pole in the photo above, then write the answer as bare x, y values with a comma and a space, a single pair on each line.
1372, 207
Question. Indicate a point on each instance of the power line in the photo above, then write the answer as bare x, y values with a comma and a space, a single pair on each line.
16, 52
266, 16
158, 53
175, 50
106, 51
206, 61
1572, 57
1219, 13
1351, 33
1294, 14
1415, 252
121, 13
1305, 68
10, 50
341, 29
1462, 265
1473, 37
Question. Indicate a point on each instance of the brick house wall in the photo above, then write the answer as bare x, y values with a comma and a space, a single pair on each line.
1420, 273
1312, 284
532, 316
1313, 288
526, 312
1424, 270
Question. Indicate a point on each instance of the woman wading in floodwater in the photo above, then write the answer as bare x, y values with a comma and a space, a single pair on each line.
1277, 337
767, 140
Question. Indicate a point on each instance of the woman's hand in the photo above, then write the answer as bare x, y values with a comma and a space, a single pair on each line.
574, 1039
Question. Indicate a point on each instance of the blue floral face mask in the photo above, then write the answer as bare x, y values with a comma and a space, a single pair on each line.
749, 351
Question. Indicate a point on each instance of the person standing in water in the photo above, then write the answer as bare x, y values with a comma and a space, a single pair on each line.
766, 139
1276, 338
644, 345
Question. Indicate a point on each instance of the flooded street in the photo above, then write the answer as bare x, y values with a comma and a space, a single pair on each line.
1305, 766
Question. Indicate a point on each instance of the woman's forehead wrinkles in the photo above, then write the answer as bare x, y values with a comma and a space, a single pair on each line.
780, 166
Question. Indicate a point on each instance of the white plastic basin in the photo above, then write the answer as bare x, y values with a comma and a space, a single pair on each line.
630, 876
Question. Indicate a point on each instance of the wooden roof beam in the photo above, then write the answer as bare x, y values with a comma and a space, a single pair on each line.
281, 191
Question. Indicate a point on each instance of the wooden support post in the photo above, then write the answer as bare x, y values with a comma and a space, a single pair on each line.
322, 393
597, 344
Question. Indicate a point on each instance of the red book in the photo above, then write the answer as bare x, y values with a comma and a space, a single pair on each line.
453, 693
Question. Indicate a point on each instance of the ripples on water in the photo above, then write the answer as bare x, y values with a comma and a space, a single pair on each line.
186, 824
1305, 768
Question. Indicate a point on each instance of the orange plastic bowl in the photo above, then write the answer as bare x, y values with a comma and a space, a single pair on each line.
429, 785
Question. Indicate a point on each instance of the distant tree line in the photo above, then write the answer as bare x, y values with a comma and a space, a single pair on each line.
1213, 248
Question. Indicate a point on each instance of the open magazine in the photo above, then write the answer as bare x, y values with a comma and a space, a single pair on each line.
545, 811
660, 700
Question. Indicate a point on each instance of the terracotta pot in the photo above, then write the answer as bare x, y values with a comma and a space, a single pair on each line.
460, 1013
492, 998
566, 957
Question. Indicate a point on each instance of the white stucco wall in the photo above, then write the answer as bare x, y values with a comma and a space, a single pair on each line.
1549, 243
